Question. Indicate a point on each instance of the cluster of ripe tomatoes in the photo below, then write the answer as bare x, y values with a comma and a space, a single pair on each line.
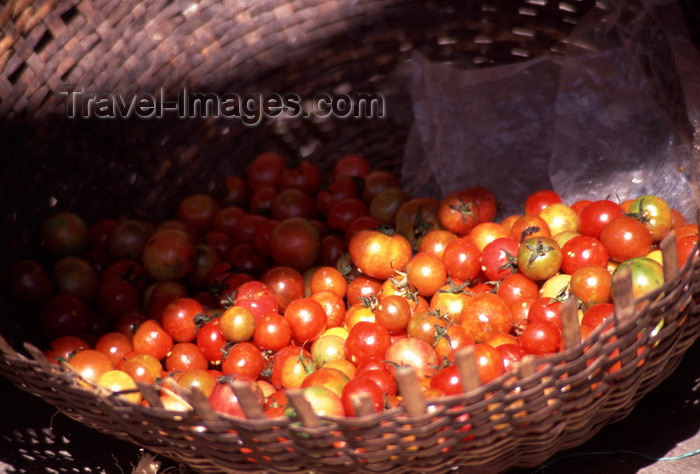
283, 278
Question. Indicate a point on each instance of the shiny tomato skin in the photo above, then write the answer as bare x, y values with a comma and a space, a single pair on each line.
597, 215
626, 237
244, 358
378, 254
426, 273
257, 297
461, 259
307, 319
224, 400
448, 380
416, 353
583, 250
537, 201
655, 214
499, 258
185, 356
484, 314
362, 387
539, 258
150, 338
540, 337
366, 340
647, 275
272, 332
211, 341
415, 218
179, 319
458, 212
591, 285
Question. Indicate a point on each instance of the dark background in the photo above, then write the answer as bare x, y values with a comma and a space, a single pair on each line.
666, 423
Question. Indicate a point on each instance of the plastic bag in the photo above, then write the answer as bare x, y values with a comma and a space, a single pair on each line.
615, 117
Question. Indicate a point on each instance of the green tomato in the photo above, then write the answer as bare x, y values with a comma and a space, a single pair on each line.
647, 275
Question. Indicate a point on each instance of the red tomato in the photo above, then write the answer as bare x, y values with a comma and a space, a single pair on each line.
379, 254
244, 358
211, 340
489, 362
305, 176
292, 202
583, 250
458, 212
265, 170
29, 284
115, 345
426, 273
295, 242
64, 233
306, 318
597, 314
360, 387
540, 337
168, 255
537, 201
597, 215
416, 353
287, 284
415, 218
528, 226
63, 315
256, 297
484, 314
90, 364
272, 332
185, 356
366, 340
461, 259
150, 338
591, 285
385, 205
393, 312
626, 237
180, 319
352, 165
448, 380
64, 347
224, 400
484, 198
499, 258
515, 287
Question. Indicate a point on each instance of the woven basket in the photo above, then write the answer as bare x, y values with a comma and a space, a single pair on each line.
138, 168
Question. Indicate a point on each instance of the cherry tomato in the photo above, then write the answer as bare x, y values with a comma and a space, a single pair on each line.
625, 238
597, 215
224, 400
307, 319
197, 211
416, 353
29, 284
540, 337
185, 356
458, 212
484, 314
295, 242
539, 258
168, 255
583, 250
539, 200
287, 284
265, 170
499, 258
150, 338
655, 214
379, 254
180, 319
366, 340
244, 358
272, 331
426, 273
591, 285
64, 233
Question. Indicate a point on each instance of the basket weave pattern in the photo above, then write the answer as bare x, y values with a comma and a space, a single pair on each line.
137, 168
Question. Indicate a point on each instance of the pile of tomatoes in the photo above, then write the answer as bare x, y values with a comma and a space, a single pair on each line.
283, 278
